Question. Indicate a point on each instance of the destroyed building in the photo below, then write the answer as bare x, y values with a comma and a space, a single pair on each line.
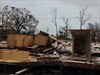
25, 53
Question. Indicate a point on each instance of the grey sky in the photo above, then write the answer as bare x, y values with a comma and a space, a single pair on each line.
41, 9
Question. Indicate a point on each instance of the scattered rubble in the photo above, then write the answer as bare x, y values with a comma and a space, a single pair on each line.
38, 48
95, 48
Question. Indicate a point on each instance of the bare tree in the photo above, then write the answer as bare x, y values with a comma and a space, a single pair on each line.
84, 17
20, 19
65, 30
54, 19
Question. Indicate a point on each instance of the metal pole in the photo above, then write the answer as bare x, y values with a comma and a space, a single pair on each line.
21, 71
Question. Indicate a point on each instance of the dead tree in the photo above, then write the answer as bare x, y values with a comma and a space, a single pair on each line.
95, 27
20, 19
65, 29
84, 17
54, 19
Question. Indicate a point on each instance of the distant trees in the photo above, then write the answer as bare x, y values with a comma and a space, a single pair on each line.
83, 17
95, 27
19, 19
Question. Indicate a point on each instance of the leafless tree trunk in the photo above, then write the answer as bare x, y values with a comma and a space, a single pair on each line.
54, 19
66, 28
66, 20
84, 17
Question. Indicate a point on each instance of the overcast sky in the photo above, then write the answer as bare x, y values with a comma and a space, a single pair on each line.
41, 9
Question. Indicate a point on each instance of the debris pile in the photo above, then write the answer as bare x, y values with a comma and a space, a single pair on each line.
95, 48
51, 45
40, 47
